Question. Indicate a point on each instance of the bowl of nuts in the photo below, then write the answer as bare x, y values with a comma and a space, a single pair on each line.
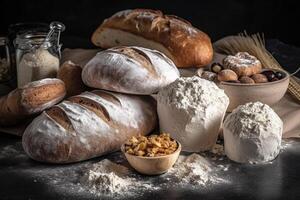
151, 155
244, 80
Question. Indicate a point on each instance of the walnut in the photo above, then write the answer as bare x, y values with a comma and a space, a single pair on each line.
151, 146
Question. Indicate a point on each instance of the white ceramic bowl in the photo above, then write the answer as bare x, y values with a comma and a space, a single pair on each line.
268, 93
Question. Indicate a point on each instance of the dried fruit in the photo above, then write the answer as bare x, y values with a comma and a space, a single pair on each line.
259, 78
246, 79
269, 74
227, 75
216, 67
279, 75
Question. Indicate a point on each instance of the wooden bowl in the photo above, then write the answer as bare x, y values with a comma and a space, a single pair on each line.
268, 93
152, 165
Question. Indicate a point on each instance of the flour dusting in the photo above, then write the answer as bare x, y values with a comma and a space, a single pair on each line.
111, 179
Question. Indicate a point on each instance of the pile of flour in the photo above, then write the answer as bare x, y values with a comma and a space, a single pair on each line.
192, 109
193, 169
109, 178
252, 133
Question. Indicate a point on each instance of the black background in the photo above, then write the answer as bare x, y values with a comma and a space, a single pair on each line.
277, 19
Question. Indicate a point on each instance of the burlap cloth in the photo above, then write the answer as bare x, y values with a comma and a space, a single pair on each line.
287, 108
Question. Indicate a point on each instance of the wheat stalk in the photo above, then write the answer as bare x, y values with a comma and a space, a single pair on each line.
254, 45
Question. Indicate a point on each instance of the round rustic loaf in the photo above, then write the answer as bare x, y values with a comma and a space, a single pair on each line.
132, 70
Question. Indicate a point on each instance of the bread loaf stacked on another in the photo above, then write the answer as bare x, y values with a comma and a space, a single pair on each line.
30, 99
132, 70
88, 125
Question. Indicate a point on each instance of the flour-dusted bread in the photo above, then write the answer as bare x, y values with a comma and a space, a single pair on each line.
178, 39
30, 99
132, 70
88, 125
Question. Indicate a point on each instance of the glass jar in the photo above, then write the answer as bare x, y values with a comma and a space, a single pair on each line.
38, 54
14, 30
5, 61
35, 58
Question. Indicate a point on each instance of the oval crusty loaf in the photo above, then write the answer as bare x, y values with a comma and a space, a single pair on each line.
133, 70
32, 98
88, 125
178, 39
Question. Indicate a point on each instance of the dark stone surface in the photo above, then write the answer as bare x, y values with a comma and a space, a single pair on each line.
23, 178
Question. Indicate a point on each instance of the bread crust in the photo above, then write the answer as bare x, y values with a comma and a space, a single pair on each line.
131, 70
29, 100
88, 125
70, 74
186, 45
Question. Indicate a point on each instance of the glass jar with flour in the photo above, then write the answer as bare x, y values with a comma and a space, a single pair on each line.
38, 54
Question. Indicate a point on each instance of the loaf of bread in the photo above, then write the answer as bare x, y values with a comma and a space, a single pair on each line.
31, 99
132, 70
88, 125
70, 74
176, 38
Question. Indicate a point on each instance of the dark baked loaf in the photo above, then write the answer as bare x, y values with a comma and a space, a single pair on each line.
176, 38
31, 99
70, 74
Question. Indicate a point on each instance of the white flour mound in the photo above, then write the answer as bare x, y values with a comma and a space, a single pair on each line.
193, 169
192, 109
109, 178
252, 133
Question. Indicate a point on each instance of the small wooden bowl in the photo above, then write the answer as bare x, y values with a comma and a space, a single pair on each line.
152, 165
268, 93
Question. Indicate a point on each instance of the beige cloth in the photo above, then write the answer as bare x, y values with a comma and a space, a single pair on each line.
288, 110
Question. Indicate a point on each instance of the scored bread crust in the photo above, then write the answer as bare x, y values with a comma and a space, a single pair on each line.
184, 44
131, 70
30, 99
88, 125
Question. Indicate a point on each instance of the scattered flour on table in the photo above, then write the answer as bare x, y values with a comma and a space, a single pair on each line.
12, 151
286, 143
109, 178
193, 169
